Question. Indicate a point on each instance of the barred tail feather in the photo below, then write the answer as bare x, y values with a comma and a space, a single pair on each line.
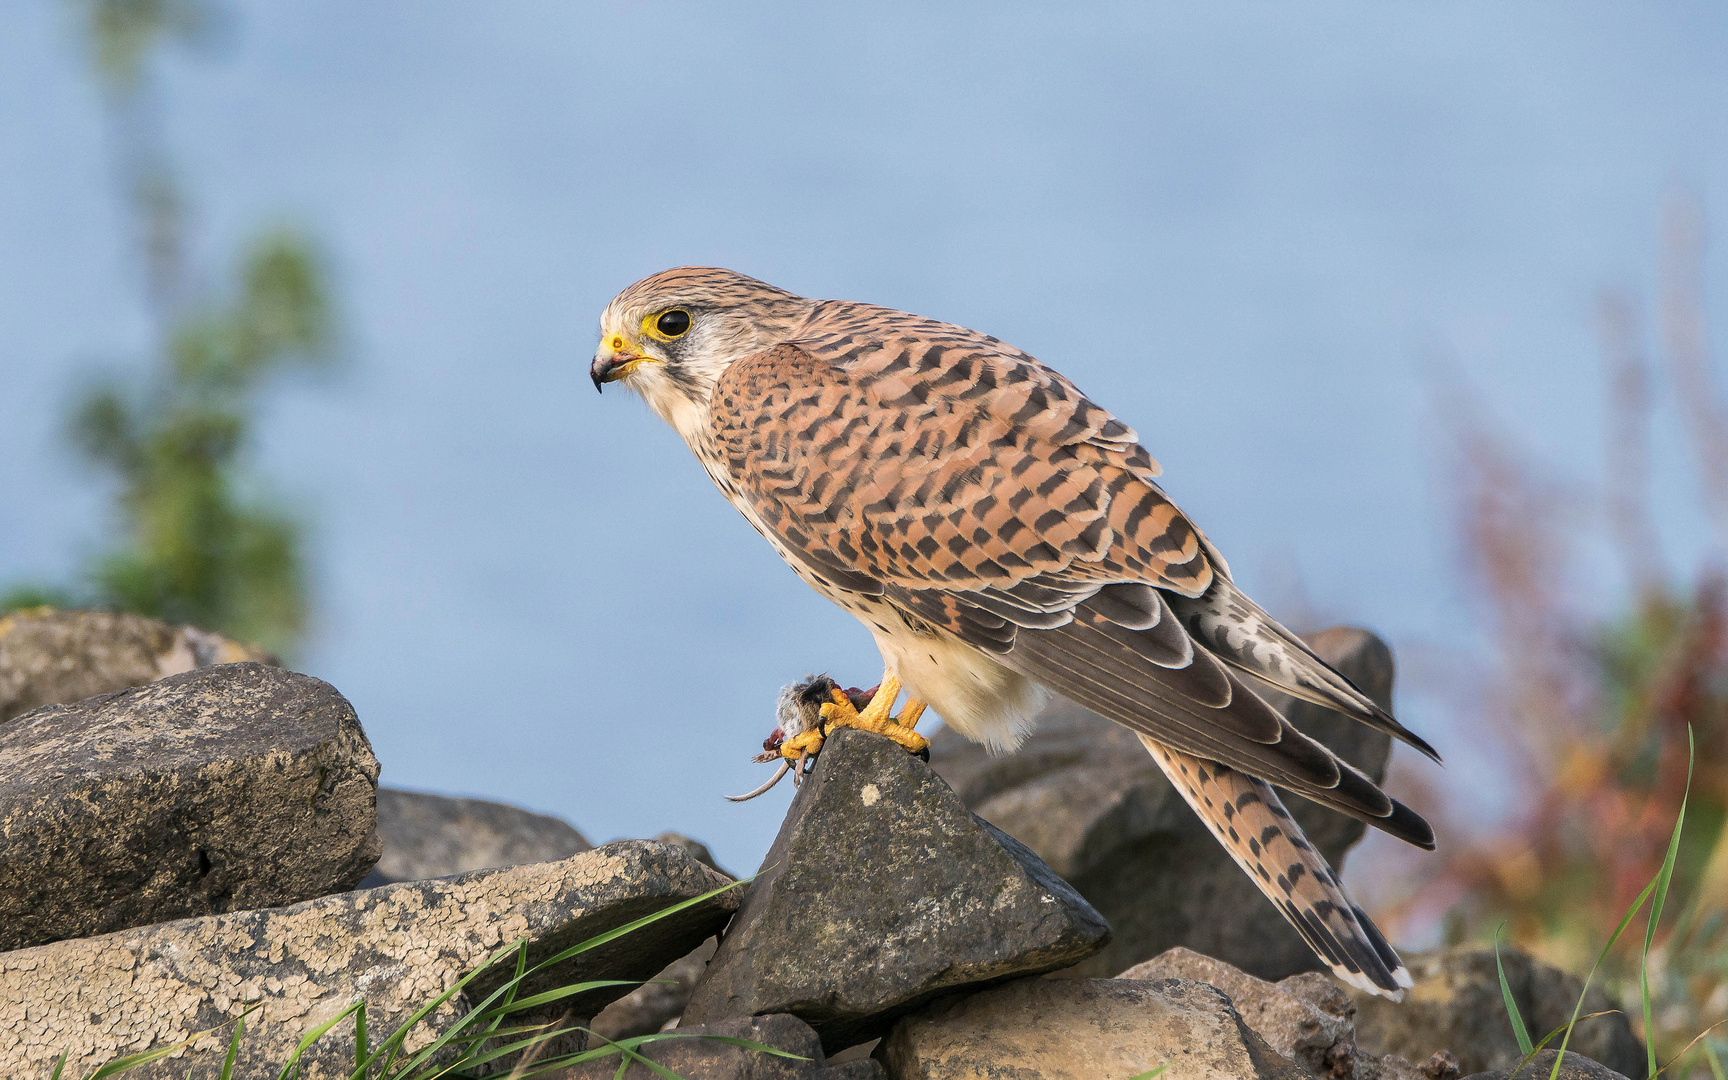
1247, 817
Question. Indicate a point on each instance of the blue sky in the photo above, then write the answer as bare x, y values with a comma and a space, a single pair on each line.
1258, 233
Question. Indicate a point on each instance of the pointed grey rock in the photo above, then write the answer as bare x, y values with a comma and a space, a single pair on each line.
882, 891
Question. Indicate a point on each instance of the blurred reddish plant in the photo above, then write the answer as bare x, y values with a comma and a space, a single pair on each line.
1590, 713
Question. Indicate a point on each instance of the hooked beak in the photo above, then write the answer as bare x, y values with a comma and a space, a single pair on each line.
612, 368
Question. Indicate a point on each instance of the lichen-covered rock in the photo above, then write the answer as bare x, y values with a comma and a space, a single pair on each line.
1084, 794
1456, 1005
398, 947
1083, 1029
229, 787
1575, 1067
880, 892
53, 657
703, 1059
432, 836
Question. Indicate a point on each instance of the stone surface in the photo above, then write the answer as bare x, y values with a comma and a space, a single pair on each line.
398, 946
225, 788
701, 1059
657, 1002
880, 892
1306, 1017
55, 657
1575, 1067
697, 849
653, 1005
1084, 794
1082, 1029
432, 836
1456, 1006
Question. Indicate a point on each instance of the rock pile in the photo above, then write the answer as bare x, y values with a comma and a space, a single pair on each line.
176, 850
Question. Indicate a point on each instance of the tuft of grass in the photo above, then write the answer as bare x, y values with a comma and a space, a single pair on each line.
1657, 893
485, 1033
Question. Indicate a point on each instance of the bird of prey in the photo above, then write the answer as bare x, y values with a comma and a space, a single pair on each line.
1003, 538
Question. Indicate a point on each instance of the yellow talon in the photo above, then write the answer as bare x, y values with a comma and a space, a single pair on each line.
876, 717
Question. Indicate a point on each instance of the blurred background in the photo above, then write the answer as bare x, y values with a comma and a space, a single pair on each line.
1412, 302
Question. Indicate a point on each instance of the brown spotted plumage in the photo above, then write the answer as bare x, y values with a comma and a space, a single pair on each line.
1004, 537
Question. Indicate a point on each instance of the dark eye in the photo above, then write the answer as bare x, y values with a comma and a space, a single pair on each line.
673, 323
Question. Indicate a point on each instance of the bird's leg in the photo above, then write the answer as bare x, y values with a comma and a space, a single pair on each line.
875, 717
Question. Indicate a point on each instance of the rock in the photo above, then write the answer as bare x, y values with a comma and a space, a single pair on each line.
697, 849
225, 788
880, 892
699, 1058
434, 836
1082, 1029
649, 1007
1306, 1017
1575, 1067
1456, 1006
54, 657
398, 946
1084, 794
660, 1000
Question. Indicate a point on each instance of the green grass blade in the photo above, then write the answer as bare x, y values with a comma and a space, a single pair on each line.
1625, 921
391, 1047
1150, 1073
313, 1036
1519, 1031
730, 1040
472, 1018
630, 927
362, 1044
1663, 877
492, 1011
1716, 1070
233, 1047
536, 1000
60, 1065
132, 1061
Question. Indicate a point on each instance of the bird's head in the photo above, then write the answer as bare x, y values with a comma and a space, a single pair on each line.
671, 336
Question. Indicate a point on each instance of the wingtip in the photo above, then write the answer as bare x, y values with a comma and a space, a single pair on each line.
1368, 986
1409, 826
1389, 723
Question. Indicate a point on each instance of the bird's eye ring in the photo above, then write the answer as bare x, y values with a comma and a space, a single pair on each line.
673, 323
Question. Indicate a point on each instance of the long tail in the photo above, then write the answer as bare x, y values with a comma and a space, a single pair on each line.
1247, 817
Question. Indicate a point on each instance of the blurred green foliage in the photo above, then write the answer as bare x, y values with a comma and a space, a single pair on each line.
196, 540
195, 550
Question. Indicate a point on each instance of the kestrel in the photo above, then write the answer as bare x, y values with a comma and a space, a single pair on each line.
1004, 538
